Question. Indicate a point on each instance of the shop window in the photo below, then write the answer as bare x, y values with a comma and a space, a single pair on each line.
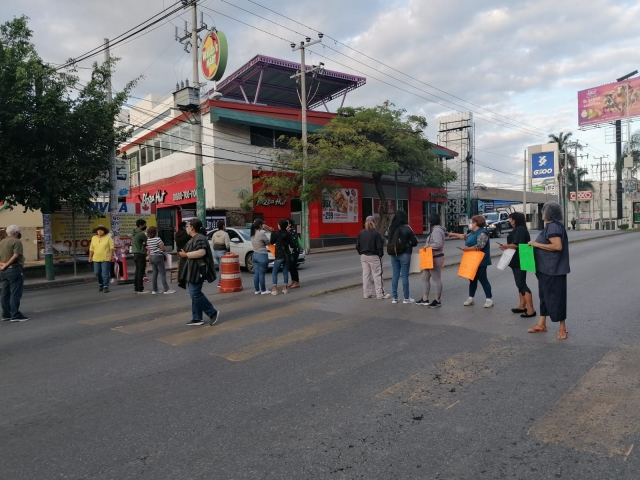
134, 161
367, 207
284, 143
143, 156
165, 145
185, 136
157, 152
261, 137
296, 205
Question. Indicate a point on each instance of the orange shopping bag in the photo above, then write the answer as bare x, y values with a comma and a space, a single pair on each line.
426, 258
469, 264
272, 249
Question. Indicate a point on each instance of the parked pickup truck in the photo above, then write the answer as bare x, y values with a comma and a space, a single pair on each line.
497, 223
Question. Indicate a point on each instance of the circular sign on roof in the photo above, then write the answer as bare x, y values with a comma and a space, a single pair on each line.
214, 55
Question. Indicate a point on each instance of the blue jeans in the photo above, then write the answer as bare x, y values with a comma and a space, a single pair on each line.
199, 302
217, 254
400, 266
12, 283
260, 265
276, 268
481, 277
102, 270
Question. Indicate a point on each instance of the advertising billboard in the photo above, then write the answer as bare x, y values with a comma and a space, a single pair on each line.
609, 102
543, 165
341, 206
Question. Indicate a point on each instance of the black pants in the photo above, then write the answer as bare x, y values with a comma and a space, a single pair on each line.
520, 276
553, 296
293, 268
141, 263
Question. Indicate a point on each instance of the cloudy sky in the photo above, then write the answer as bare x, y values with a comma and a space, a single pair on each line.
519, 63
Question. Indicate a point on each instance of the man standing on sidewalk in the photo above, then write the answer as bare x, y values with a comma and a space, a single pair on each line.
11, 264
139, 242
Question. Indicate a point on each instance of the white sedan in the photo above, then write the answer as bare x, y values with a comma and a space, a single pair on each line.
241, 245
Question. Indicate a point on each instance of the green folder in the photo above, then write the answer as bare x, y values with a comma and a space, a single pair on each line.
527, 261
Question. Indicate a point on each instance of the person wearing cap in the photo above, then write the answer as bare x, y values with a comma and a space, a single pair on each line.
11, 264
100, 254
370, 247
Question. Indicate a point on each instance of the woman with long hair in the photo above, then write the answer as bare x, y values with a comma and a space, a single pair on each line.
198, 268
518, 236
370, 247
435, 241
283, 242
400, 246
259, 242
156, 248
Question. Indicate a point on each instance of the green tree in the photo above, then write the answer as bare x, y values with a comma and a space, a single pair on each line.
55, 133
376, 141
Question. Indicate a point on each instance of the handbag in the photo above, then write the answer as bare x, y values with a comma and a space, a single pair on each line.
414, 266
168, 262
426, 258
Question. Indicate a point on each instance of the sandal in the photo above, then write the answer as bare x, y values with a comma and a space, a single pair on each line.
526, 315
294, 285
537, 329
562, 335
519, 310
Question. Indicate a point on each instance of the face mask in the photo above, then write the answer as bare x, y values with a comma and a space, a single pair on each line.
471, 226
143, 228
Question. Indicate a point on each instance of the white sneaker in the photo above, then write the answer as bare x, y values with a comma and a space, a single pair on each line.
395, 300
154, 293
385, 296
168, 292
468, 302
408, 300
488, 303
266, 292
256, 292
369, 296
113, 280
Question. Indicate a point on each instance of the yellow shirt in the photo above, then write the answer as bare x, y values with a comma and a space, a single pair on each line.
101, 248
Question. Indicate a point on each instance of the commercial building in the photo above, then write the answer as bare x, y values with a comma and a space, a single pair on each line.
241, 134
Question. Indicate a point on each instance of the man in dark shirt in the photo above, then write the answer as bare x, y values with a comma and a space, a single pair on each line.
139, 250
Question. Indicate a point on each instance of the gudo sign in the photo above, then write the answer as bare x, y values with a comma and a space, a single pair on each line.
542, 165
214, 54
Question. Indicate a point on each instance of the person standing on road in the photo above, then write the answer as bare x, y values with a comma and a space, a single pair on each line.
551, 251
100, 253
139, 250
370, 247
295, 254
156, 259
11, 265
518, 236
283, 242
221, 245
181, 238
400, 246
435, 241
198, 268
259, 242
478, 240
573, 223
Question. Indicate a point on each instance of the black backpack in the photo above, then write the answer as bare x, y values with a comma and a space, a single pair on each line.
397, 243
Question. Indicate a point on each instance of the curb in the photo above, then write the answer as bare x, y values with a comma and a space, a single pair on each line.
456, 263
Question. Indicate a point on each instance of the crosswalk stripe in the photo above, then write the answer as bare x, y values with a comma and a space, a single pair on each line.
177, 319
130, 315
232, 325
300, 335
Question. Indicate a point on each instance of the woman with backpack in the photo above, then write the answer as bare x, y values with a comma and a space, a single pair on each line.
283, 242
435, 241
478, 240
400, 246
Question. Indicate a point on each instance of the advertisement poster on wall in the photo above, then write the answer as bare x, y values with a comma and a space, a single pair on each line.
636, 212
63, 235
609, 102
341, 206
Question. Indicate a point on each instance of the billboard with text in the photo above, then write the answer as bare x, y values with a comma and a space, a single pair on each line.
609, 102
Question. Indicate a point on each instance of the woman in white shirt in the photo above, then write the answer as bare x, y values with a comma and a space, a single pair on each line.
156, 259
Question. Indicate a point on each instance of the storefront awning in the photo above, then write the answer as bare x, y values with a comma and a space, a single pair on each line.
244, 118
443, 152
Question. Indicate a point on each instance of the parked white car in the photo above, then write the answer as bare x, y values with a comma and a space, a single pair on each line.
241, 245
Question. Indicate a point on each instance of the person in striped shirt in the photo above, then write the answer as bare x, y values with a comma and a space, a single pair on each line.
156, 259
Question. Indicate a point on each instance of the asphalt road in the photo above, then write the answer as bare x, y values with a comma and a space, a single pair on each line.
115, 386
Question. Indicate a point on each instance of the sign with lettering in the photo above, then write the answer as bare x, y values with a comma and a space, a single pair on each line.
582, 196
157, 197
185, 195
277, 201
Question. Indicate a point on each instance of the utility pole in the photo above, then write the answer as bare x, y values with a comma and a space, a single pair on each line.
113, 174
577, 203
600, 203
192, 40
305, 154
524, 189
610, 199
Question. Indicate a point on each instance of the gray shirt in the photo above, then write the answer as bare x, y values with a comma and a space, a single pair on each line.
435, 240
259, 242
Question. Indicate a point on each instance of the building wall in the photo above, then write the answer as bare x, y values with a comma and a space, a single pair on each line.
29, 222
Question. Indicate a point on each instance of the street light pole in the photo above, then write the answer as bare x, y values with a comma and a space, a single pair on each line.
201, 204
305, 152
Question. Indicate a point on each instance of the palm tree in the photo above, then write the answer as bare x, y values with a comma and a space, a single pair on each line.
563, 140
582, 183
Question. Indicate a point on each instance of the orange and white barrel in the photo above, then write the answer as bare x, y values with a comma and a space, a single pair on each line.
230, 279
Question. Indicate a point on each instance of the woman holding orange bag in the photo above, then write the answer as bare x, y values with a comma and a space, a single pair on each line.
478, 240
435, 241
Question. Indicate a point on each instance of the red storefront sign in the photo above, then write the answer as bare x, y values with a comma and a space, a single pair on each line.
166, 193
